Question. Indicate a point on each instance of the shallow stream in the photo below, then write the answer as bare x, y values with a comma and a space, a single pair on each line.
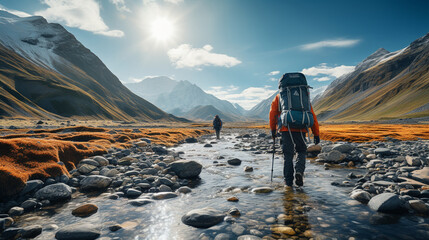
319, 209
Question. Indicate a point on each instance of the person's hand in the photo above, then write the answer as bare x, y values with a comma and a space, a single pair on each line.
273, 134
316, 140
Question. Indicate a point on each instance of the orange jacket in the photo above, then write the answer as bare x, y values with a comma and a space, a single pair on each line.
275, 113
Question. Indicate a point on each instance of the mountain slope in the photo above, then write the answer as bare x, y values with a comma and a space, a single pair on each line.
181, 96
46, 72
262, 109
393, 85
207, 113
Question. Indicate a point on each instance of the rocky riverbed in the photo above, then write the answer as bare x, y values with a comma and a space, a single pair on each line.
221, 189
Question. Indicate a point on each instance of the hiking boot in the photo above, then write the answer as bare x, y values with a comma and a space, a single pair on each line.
299, 181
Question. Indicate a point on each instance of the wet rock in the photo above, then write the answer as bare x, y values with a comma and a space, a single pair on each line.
133, 193
387, 203
126, 161
31, 231
164, 195
418, 206
149, 171
262, 190
159, 150
203, 218
89, 162
237, 229
208, 145
283, 230
165, 188
383, 152
248, 169
29, 205
141, 144
11, 233
55, 192
140, 202
95, 182
85, 210
410, 192
78, 231
86, 168
412, 161
16, 211
361, 196
332, 156
223, 236
115, 227
234, 161
184, 190
32, 186
101, 160
255, 232
186, 168
248, 237
233, 199
310, 234
421, 175
234, 212
229, 219
191, 140
6, 222
343, 147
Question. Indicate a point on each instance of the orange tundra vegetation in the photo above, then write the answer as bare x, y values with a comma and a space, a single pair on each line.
35, 155
370, 132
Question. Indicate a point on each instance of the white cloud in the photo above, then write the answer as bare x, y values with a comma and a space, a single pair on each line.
185, 56
82, 14
174, 1
120, 5
330, 43
247, 98
322, 79
15, 12
273, 79
273, 73
325, 70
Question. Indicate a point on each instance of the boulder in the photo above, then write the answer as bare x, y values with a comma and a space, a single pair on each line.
418, 206
95, 182
78, 231
234, 161
262, 190
191, 140
101, 160
85, 210
421, 175
140, 202
54, 192
86, 168
31, 231
164, 195
32, 186
387, 203
203, 217
343, 147
383, 151
361, 196
186, 168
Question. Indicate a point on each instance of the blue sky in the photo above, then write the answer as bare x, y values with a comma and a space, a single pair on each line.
234, 49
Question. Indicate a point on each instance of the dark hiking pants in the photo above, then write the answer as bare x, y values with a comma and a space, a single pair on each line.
288, 146
217, 132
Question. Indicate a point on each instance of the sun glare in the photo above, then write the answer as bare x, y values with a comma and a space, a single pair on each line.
162, 29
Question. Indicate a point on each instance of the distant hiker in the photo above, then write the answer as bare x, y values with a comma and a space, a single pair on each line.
217, 125
292, 114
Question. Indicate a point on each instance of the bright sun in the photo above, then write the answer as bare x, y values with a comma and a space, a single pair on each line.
162, 29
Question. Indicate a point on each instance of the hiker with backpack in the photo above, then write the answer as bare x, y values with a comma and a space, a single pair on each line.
292, 115
217, 125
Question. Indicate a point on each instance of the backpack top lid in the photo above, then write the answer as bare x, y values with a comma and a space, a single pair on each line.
292, 79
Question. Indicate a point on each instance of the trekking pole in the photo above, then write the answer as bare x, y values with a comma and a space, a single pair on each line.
272, 161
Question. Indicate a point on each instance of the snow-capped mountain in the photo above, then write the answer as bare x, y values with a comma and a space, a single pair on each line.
46, 72
181, 96
383, 86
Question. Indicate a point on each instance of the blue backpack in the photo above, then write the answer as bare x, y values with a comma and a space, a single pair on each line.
294, 102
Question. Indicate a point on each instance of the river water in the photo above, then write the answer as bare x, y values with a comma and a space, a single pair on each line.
318, 209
